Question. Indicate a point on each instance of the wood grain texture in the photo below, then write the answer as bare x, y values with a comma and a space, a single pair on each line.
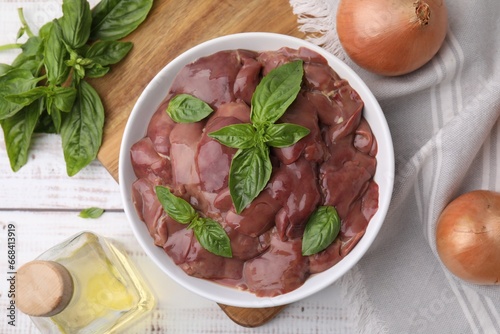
42, 184
251, 317
171, 28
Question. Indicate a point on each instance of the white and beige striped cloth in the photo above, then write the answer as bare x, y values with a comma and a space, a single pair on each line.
444, 120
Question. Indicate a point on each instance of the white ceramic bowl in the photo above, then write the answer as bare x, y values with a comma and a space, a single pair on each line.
147, 104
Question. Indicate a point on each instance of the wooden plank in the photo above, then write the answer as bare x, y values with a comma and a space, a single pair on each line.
42, 184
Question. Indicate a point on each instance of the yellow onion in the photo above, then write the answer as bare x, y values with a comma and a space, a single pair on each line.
468, 237
391, 37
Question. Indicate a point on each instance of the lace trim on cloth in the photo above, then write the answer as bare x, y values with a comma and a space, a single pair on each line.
317, 19
360, 308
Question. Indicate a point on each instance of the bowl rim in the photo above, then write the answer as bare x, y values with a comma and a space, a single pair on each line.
160, 83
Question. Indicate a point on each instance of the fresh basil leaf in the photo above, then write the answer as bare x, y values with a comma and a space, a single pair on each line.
33, 46
44, 31
31, 63
276, 91
285, 134
108, 52
55, 55
115, 19
64, 98
4, 68
322, 228
28, 97
32, 56
15, 81
20, 32
212, 236
249, 173
18, 130
177, 208
96, 71
81, 129
236, 135
185, 108
75, 22
92, 213
21, 59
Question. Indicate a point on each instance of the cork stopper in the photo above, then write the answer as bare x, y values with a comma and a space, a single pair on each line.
44, 288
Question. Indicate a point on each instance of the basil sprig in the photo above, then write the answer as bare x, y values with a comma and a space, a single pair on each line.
322, 228
251, 165
208, 232
45, 88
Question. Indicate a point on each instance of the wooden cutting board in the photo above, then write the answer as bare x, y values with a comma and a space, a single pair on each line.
172, 27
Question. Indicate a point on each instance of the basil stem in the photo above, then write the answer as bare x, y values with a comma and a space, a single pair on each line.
322, 228
24, 24
11, 46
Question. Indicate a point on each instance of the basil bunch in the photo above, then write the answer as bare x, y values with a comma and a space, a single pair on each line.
251, 165
322, 228
208, 232
44, 89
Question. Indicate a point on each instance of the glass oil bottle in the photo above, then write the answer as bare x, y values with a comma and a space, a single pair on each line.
83, 285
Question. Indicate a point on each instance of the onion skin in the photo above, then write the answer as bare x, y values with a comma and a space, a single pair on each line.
391, 37
468, 237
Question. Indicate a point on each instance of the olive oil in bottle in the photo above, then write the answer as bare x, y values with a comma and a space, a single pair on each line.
83, 285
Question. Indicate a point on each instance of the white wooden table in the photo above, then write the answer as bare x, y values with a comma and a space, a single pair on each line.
43, 203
